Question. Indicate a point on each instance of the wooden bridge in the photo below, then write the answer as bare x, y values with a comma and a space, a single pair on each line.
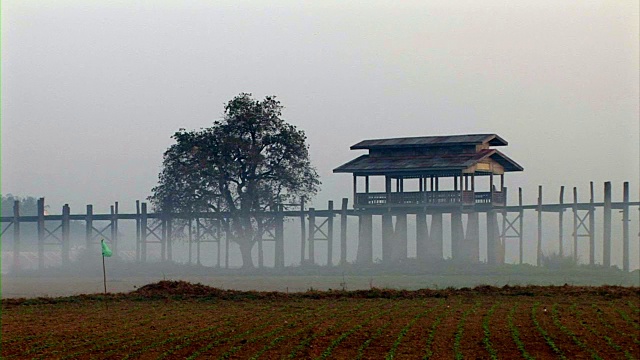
328, 228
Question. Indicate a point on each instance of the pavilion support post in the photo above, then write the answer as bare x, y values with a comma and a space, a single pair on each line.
606, 240
355, 194
422, 236
625, 227
399, 249
343, 231
143, 232
435, 237
330, 233
472, 238
520, 227
66, 212
561, 224
41, 233
457, 235
312, 231
138, 222
303, 230
592, 226
387, 237
539, 210
16, 235
279, 234
365, 240
494, 251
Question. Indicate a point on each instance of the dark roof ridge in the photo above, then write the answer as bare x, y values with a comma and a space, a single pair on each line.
429, 141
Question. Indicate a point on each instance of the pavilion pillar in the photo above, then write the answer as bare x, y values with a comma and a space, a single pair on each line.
387, 237
434, 249
422, 236
457, 235
399, 247
495, 250
472, 238
365, 240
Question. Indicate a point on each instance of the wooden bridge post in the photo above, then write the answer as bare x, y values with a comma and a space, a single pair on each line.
312, 232
279, 235
112, 227
387, 236
365, 239
163, 236
606, 240
521, 226
260, 250
89, 228
457, 235
561, 223
343, 231
435, 237
592, 227
422, 236
138, 222
330, 234
16, 235
399, 247
472, 238
625, 227
143, 232
539, 210
303, 233
66, 211
41, 234
190, 238
198, 238
169, 237
575, 223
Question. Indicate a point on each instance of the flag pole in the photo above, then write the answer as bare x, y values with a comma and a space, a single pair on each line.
104, 276
104, 271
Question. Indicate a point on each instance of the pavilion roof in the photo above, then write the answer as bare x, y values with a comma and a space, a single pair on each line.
423, 164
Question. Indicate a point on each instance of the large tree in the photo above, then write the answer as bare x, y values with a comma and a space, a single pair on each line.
248, 162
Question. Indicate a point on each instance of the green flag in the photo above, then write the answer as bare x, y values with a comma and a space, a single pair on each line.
105, 250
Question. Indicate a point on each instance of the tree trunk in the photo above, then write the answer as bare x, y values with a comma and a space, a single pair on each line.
245, 250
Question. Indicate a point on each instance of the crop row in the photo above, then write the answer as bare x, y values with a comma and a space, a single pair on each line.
326, 328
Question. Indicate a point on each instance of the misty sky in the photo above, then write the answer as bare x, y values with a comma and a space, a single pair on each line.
93, 90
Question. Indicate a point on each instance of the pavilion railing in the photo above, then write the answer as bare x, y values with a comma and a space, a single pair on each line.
430, 198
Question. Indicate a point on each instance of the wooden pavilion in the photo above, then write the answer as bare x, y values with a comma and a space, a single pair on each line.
434, 162
427, 160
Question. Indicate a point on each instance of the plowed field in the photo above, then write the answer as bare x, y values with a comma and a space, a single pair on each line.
172, 320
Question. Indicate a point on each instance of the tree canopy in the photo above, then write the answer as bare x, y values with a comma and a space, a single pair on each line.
246, 163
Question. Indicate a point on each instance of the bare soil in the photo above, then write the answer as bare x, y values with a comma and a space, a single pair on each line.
178, 320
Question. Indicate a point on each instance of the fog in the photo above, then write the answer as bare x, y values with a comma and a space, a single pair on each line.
92, 91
